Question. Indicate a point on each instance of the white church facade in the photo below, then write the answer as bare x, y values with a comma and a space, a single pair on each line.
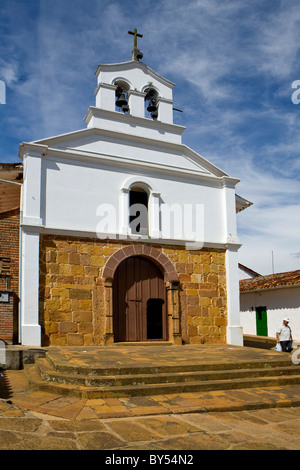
127, 234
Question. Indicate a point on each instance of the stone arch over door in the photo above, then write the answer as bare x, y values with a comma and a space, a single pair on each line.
153, 254
171, 281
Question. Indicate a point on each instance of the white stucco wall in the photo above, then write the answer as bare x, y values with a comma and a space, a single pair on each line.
280, 303
73, 191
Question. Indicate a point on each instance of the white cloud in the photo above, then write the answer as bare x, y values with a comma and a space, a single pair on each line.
265, 230
8, 72
280, 41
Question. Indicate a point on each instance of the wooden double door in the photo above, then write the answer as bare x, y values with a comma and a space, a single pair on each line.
139, 301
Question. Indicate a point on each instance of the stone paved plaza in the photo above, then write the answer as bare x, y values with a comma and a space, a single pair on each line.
262, 429
248, 418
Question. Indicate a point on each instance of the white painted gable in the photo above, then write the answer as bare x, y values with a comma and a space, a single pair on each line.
121, 149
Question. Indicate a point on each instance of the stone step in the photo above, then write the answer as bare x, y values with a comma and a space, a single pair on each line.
78, 369
144, 344
48, 373
85, 389
141, 371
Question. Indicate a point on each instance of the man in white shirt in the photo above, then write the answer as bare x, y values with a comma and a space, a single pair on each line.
284, 336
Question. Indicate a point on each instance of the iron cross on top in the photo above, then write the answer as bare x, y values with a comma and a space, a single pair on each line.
136, 54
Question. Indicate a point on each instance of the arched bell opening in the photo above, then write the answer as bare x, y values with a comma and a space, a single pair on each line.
151, 102
122, 91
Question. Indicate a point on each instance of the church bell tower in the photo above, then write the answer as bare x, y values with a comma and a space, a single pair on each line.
132, 98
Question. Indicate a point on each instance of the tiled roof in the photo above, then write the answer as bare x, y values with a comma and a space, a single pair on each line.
271, 281
10, 193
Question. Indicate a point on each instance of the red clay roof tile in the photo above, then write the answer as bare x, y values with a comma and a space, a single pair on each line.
271, 281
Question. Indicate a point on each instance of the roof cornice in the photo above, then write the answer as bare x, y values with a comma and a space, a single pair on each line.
42, 147
134, 120
115, 161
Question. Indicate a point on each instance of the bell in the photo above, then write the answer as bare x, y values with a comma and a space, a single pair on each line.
154, 114
152, 107
119, 91
121, 101
151, 94
125, 108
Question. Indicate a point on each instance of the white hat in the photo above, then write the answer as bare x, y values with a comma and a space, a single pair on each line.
287, 319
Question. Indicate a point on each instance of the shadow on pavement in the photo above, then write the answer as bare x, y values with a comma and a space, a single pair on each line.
5, 389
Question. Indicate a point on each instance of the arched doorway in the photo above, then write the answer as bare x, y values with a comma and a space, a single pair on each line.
139, 301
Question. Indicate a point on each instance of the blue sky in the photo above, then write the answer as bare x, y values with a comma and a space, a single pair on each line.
233, 63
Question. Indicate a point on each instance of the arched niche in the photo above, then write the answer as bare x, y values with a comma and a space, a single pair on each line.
153, 205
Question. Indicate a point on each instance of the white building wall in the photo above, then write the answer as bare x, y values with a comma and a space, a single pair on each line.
280, 303
75, 191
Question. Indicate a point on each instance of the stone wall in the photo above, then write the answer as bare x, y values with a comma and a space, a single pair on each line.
72, 303
9, 280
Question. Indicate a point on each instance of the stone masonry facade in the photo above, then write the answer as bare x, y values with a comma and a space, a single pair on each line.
73, 298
